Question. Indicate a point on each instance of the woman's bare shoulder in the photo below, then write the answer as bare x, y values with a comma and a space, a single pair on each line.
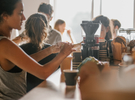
6, 42
7, 46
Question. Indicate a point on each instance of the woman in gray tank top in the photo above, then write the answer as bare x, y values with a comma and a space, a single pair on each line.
12, 85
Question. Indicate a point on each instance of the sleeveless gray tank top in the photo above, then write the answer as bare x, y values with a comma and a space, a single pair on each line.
12, 85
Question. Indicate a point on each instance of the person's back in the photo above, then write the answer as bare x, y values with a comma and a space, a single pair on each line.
53, 35
30, 48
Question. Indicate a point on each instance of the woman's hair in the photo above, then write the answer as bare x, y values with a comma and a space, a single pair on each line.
116, 23
57, 23
105, 21
7, 6
36, 29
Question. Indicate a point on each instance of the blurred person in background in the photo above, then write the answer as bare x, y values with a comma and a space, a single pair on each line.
105, 28
105, 37
67, 36
60, 26
115, 25
54, 36
119, 42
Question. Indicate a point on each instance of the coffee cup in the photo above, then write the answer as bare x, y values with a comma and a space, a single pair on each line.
71, 77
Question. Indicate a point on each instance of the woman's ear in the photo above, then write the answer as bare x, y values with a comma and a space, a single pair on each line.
4, 16
116, 27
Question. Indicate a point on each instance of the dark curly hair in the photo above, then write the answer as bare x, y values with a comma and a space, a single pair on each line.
7, 6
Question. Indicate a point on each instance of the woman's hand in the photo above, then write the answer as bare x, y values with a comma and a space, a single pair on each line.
69, 32
66, 48
55, 48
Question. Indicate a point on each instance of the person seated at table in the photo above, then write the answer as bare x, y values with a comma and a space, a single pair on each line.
115, 25
12, 79
67, 36
36, 32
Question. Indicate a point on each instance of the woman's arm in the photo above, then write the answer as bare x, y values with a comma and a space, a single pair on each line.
12, 55
69, 33
45, 52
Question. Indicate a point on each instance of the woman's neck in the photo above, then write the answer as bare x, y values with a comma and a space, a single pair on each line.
62, 32
5, 31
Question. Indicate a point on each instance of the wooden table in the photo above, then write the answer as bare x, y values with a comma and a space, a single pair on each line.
52, 89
